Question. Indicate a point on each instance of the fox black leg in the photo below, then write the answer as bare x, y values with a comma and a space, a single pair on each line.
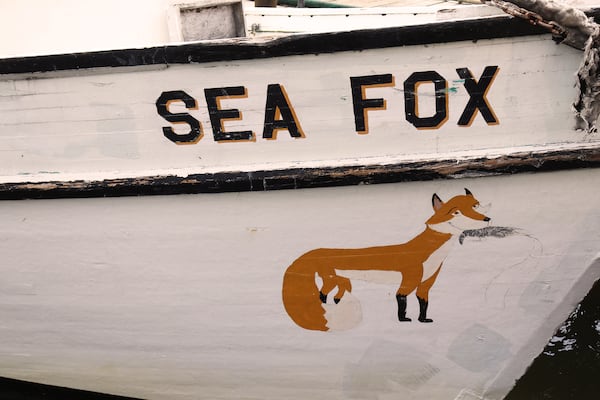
323, 297
402, 308
423, 310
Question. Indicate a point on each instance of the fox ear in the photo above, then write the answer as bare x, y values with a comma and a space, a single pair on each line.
468, 192
436, 202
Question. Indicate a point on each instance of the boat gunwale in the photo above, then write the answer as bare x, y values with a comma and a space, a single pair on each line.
294, 177
472, 29
313, 177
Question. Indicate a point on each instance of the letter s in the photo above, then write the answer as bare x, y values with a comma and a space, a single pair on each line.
162, 106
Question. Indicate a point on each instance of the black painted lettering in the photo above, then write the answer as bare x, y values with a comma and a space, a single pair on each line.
411, 100
477, 92
361, 104
217, 115
162, 106
279, 114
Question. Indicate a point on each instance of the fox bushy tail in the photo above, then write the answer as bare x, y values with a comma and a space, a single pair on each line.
302, 301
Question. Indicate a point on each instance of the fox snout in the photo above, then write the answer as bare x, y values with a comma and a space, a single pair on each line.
471, 213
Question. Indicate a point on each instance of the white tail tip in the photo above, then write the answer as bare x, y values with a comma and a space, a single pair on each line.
344, 315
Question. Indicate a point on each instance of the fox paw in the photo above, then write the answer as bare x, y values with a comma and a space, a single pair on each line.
425, 320
404, 319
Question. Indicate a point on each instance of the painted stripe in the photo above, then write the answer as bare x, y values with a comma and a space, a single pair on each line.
301, 178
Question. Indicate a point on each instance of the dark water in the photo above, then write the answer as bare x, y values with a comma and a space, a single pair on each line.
569, 366
567, 369
11, 389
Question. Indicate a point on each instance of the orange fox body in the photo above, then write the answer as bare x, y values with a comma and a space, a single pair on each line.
418, 261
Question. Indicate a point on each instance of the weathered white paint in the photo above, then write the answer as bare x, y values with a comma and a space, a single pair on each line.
99, 124
179, 297
283, 20
64, 26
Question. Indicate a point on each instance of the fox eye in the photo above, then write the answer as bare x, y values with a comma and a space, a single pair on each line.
456, 212
476, 206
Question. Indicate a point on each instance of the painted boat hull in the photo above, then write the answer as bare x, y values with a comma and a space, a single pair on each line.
180, 296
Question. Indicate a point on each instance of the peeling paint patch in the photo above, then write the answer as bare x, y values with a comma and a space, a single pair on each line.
478, 348
400, 365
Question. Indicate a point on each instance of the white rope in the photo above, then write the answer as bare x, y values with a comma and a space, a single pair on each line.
587, 105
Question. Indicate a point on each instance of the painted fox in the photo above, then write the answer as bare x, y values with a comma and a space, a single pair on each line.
414, 264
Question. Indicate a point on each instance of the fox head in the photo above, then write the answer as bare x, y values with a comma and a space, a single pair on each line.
457, 214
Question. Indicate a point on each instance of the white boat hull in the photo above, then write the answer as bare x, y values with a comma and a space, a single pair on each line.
180, 296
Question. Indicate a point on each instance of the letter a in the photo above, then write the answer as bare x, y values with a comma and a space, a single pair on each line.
279, 114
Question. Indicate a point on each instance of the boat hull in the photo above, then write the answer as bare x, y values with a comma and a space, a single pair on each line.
180, 296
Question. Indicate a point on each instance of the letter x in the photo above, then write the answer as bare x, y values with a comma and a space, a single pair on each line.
477, 91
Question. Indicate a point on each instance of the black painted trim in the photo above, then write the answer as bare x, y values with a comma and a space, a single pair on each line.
203, 52
303, 178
